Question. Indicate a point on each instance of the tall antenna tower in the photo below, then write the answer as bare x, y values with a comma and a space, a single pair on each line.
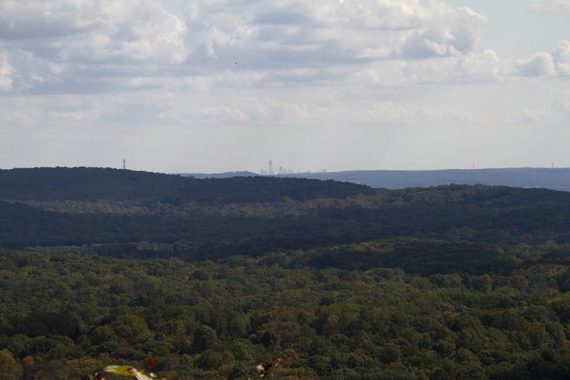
124, 164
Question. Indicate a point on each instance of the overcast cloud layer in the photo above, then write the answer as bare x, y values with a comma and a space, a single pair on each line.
225, 85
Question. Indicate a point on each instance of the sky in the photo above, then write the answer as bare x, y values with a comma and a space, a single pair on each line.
225, 85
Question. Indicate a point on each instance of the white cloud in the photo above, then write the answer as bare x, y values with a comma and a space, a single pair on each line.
540, 64
551, 6
95, 31
91, 40
561, 57
21, 70
46, 19
396, 113
455, 34
239, 110
547, 64
93, 46
90, 46
483, 67
557, 113
324, 33
6, 73
129, 31
533, 116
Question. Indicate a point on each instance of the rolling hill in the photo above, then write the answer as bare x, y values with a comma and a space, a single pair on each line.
210, 277
554, 179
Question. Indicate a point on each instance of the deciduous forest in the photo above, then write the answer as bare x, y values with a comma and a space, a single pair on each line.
210, 277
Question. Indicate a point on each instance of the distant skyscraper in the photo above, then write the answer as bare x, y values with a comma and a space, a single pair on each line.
270, 168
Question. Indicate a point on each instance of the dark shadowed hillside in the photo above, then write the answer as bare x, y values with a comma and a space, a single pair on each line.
97, 183
254, 214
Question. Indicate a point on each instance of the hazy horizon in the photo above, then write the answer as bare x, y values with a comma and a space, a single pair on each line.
317, 171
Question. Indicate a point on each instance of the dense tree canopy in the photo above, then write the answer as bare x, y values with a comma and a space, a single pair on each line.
340, 282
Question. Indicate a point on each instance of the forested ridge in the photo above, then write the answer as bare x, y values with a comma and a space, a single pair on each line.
212, 276
113, 184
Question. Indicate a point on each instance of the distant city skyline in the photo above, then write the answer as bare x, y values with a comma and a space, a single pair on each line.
217, 86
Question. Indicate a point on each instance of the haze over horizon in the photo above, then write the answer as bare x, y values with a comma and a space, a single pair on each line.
222, 85
263, 171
